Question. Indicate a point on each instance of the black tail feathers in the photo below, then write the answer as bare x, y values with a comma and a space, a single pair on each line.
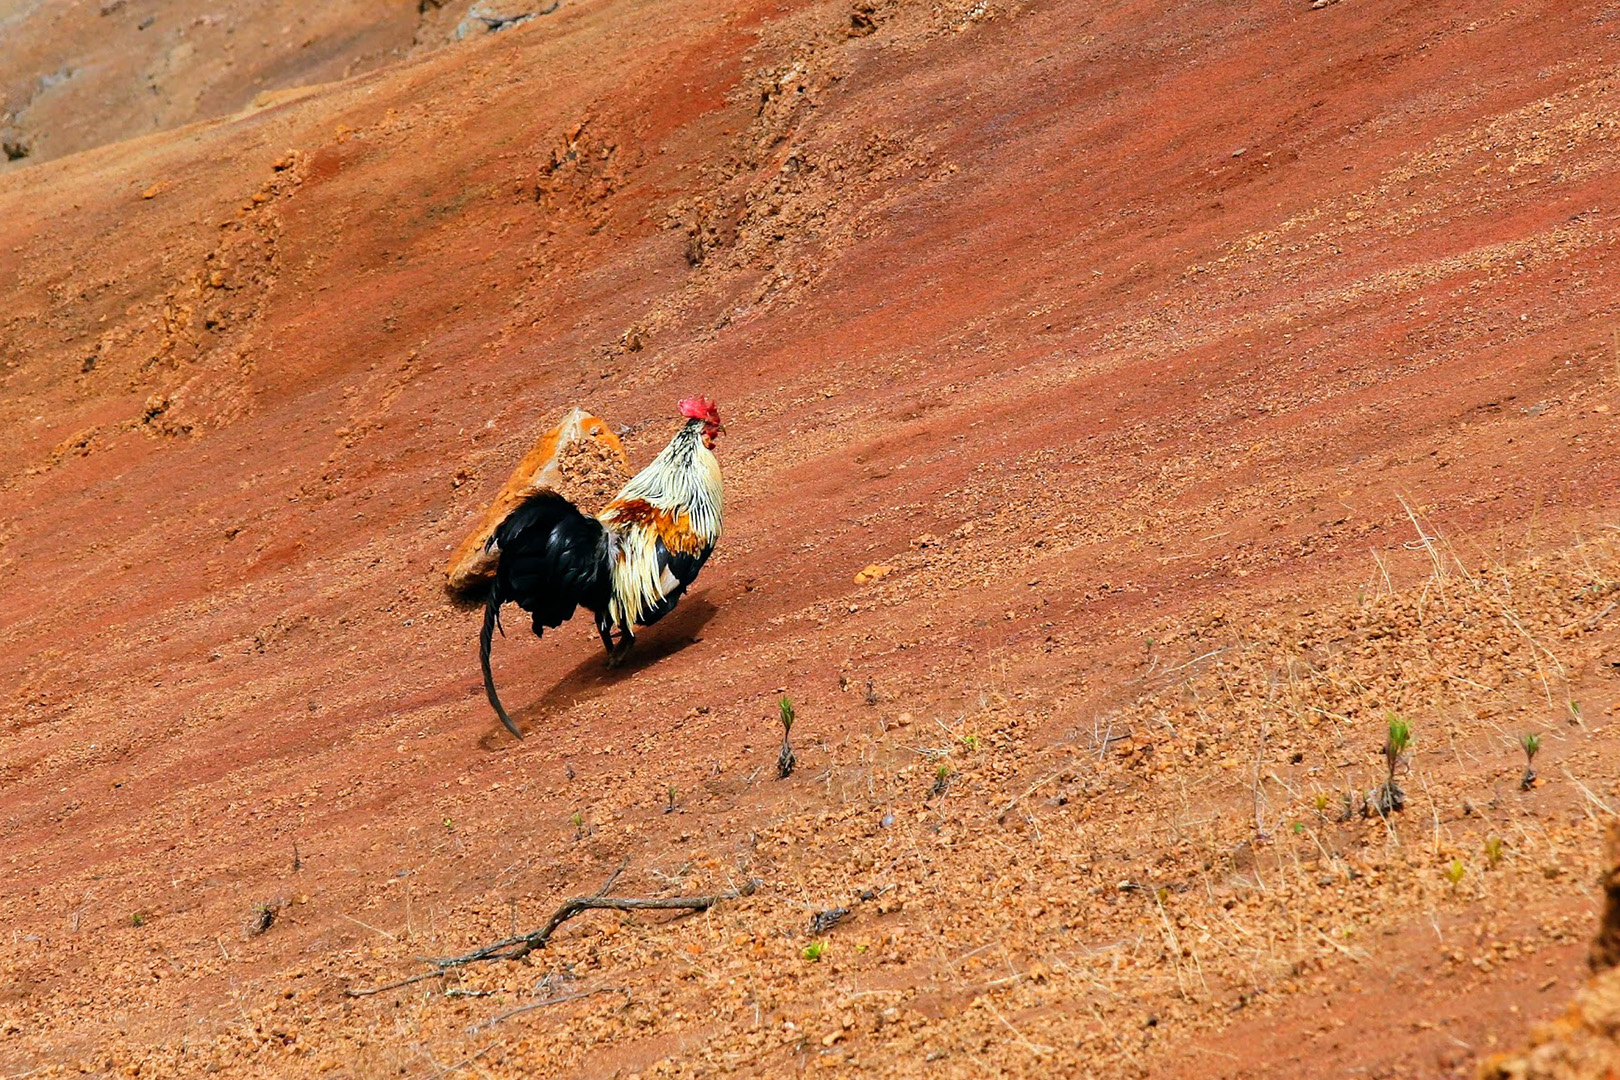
553, 559
492, 618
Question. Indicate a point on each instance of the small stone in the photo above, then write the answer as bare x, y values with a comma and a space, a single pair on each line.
823, 921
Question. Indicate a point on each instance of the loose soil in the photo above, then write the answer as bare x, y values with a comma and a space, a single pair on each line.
1130, 408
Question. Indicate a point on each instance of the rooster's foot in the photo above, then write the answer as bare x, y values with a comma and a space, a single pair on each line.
620, 651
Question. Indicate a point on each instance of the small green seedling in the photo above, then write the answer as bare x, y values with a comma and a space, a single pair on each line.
1299, 828
1455, 871
1321, 802
1531, 743
1493, 851
1400, 739
785, 761
942, 780
578, 822
138, 918
669, 807
971, 742
1388, 798
813, 951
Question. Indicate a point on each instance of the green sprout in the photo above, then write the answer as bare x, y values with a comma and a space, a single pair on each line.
970, 741
1299, 828
786, 760
1321, 802
1493, 851
942, 779
669, 807
813, 951
1531, 743
578, 822
1388, 797
1455, 871
138, 918
1400, 738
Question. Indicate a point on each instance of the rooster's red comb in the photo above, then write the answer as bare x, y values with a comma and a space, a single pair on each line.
700, 408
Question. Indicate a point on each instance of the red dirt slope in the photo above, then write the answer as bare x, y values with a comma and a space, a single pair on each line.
1119, 333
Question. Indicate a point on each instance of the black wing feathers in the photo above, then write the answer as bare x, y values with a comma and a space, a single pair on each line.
553, 559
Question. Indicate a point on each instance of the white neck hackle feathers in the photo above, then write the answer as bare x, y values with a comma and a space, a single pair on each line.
683, 483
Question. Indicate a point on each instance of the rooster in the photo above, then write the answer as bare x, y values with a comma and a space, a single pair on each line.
629, 565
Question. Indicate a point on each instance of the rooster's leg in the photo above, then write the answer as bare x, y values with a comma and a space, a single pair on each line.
604, 626
617, 654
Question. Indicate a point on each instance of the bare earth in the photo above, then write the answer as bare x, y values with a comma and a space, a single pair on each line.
1191, 386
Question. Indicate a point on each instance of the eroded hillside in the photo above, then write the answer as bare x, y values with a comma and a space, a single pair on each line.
1201, 386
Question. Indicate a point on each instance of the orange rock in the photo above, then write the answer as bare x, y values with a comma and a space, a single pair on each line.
579, 458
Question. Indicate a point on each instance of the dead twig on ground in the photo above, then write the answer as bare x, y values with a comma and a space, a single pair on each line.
1194, 660
368, 926
515, 948
1590, 795
492, 1021
463, 1063
1591, 624
395, 985
1032, 789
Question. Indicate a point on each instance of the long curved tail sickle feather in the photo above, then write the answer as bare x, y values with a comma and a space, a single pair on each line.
492, 614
